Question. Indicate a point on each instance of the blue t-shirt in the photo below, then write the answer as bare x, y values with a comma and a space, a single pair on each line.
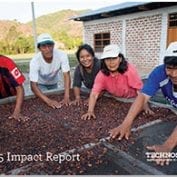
158, 79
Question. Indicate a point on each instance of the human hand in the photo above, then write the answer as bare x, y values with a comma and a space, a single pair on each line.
148, 110
160, 149
86, 102
121, 131
76, 102
65, 101
88, 116
54, 104
19, 117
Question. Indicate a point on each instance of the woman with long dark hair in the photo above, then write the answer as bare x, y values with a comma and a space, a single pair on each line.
117, 76
86, 70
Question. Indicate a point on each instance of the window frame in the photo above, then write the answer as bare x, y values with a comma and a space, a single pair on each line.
172, 20
103, 38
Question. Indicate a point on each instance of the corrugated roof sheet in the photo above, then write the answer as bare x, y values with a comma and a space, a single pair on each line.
110, 8
123, 8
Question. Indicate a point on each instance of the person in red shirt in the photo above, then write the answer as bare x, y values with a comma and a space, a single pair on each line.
117, 76
11, 80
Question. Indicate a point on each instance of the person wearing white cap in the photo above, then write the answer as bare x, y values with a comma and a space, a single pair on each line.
117, 76
163, 77
44, 71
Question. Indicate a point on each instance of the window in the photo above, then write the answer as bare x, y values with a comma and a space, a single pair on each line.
100, 40
173, 20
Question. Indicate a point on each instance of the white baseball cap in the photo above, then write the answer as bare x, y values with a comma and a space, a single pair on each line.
171, 50
44, 38
110, 51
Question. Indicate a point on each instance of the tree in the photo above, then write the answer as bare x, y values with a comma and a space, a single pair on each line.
24, 45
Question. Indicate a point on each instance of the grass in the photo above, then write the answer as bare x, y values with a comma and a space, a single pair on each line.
23, 60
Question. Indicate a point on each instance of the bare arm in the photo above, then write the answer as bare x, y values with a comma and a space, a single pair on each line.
67, 85
171, 142
18, 106
19, 100
92, 101
77, 92
136, 107
38, 93
166, 147
125, 128
77, 100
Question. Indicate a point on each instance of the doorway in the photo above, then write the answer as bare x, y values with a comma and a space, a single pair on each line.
172, 28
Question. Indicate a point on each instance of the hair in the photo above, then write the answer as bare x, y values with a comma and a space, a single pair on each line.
86, 47
121, 69
170, 60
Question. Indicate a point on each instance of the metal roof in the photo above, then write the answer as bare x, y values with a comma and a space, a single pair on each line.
121, 9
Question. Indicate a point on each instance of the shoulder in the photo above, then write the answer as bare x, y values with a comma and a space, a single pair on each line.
60, 56
97, 62
131, 67
10, 65
77, 69
36, 58
158, 75
131, 70
101, 76
159, 71
7, 62
37, 61
160, 68
58, 52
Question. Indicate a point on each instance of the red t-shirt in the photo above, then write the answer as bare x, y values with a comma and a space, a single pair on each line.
10, 77
123, 85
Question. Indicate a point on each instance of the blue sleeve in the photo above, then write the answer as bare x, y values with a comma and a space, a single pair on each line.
152, 84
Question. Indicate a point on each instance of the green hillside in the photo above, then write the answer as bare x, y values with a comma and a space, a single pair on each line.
60, 21
16, 37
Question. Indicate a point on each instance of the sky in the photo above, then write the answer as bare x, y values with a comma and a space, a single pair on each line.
21, 9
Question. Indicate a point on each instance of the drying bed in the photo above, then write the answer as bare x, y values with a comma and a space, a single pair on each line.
58, 130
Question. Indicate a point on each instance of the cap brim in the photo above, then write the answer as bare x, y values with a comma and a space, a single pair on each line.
108, 56
45, 42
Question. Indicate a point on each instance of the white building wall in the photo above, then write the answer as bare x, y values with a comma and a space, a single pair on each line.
142, 36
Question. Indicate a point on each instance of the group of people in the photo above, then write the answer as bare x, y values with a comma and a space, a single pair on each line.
111, 73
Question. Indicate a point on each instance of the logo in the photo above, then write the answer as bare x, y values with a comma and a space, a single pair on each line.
16, 73
153, 156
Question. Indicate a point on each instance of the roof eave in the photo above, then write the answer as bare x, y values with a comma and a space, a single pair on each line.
122, 11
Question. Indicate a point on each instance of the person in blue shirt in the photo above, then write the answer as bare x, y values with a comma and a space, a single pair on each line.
163, 77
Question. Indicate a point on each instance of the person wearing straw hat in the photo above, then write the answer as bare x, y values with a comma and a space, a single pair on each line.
44, 71
117, 76
163, 77
11, 84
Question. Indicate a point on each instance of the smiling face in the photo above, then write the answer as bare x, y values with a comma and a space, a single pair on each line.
47, 51
112, 64
171, 71
86, 59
